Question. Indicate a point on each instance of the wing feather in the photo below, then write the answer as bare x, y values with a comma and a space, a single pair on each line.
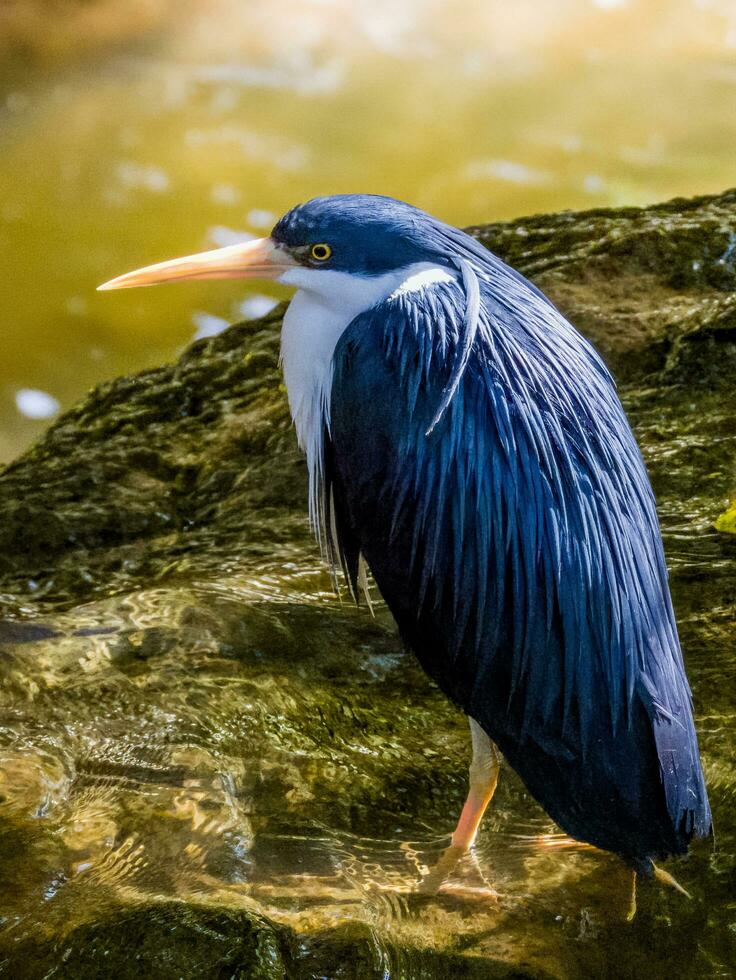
511, 527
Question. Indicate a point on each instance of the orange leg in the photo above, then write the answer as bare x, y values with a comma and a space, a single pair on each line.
484, 770
659, 875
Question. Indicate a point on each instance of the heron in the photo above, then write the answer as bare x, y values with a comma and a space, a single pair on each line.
466, 444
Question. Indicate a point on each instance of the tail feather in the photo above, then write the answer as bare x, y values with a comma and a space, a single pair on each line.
681, 772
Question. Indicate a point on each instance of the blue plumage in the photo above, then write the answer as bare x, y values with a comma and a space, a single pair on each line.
467, 442
517, 545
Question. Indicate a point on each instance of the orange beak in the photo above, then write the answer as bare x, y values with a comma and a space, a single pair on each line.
260, 259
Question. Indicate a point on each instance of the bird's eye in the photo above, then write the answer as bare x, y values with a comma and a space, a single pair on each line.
320, 252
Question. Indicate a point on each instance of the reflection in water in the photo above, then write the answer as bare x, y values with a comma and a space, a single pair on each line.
244, 742
170, 759
36, 404
233, 112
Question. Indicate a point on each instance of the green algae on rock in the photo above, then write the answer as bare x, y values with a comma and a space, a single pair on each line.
156, 472
647, 285
162, 940
726, 522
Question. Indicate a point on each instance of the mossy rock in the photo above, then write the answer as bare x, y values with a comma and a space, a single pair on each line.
169, 940
161, 941
191, 466
726, 522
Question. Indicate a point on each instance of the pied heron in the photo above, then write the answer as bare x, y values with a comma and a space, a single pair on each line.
467, 444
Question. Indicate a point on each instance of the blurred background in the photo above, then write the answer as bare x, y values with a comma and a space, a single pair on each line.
136, 130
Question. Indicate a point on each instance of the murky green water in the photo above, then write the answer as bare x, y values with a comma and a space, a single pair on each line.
233, 111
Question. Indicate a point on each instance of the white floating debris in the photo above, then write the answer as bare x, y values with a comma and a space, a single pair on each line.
593, 184
17, 102
508, 170
276, 152
260, 218
134, 175
35, 404
76, 305
221, 235
256, 305
224, 194
208, 325
299, 75
571, 143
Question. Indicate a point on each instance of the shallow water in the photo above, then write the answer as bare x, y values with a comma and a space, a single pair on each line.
212, 119
246, 741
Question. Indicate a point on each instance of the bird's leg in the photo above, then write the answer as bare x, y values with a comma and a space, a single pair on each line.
483, 772
659, 875
484, 769
666, 878
631, 914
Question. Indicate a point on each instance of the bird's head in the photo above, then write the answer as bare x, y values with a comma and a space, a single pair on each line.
351, 235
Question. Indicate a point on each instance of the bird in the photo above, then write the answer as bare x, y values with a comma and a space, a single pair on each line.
467, 446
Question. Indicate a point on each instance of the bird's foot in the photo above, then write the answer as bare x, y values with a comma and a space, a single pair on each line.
437, 879
662, 876
666, 879
448, 861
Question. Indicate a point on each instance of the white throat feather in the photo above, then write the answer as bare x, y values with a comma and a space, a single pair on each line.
325, 304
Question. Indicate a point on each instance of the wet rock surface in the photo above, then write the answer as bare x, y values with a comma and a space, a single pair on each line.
209, 766
652, 288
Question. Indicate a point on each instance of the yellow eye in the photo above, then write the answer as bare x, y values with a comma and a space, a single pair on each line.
320, 252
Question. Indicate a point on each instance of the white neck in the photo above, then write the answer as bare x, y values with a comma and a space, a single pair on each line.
325, 303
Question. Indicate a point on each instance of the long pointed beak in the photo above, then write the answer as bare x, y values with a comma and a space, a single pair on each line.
259, 259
